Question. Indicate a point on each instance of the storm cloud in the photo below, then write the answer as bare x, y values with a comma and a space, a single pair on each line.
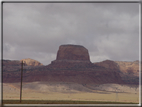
36, 30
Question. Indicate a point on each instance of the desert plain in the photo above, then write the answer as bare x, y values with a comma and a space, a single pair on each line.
71, 91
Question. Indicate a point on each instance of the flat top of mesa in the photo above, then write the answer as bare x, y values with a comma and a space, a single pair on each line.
72, 45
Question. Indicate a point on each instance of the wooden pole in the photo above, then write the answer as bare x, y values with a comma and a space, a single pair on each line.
21, 81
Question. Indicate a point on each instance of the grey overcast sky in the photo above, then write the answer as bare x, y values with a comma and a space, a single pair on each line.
36, 30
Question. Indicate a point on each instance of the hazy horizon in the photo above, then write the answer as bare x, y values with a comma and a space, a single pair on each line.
55, 59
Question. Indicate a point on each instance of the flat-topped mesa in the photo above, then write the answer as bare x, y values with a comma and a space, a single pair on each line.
72, 53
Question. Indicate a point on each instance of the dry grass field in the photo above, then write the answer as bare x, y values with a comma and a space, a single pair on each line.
71, 92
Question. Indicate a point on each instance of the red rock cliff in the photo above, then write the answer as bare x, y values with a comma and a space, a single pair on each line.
72, 52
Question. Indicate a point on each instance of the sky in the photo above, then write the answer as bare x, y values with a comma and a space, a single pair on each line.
110, 31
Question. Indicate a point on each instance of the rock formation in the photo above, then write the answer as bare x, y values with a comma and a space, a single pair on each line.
9, 65
31, 62
72, 64
73, 52
129, 71
129, 68
15, 65
108, 64
71, 57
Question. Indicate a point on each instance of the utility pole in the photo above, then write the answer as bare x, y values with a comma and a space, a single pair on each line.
21, 81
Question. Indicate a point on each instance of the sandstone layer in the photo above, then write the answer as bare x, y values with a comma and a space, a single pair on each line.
129, 68
31, 62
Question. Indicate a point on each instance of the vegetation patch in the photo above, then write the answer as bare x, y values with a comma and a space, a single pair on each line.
61, 102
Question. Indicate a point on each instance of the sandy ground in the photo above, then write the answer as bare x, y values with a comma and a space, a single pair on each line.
70, 91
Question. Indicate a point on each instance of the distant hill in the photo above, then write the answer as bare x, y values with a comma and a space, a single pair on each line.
129, 71
15, 65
